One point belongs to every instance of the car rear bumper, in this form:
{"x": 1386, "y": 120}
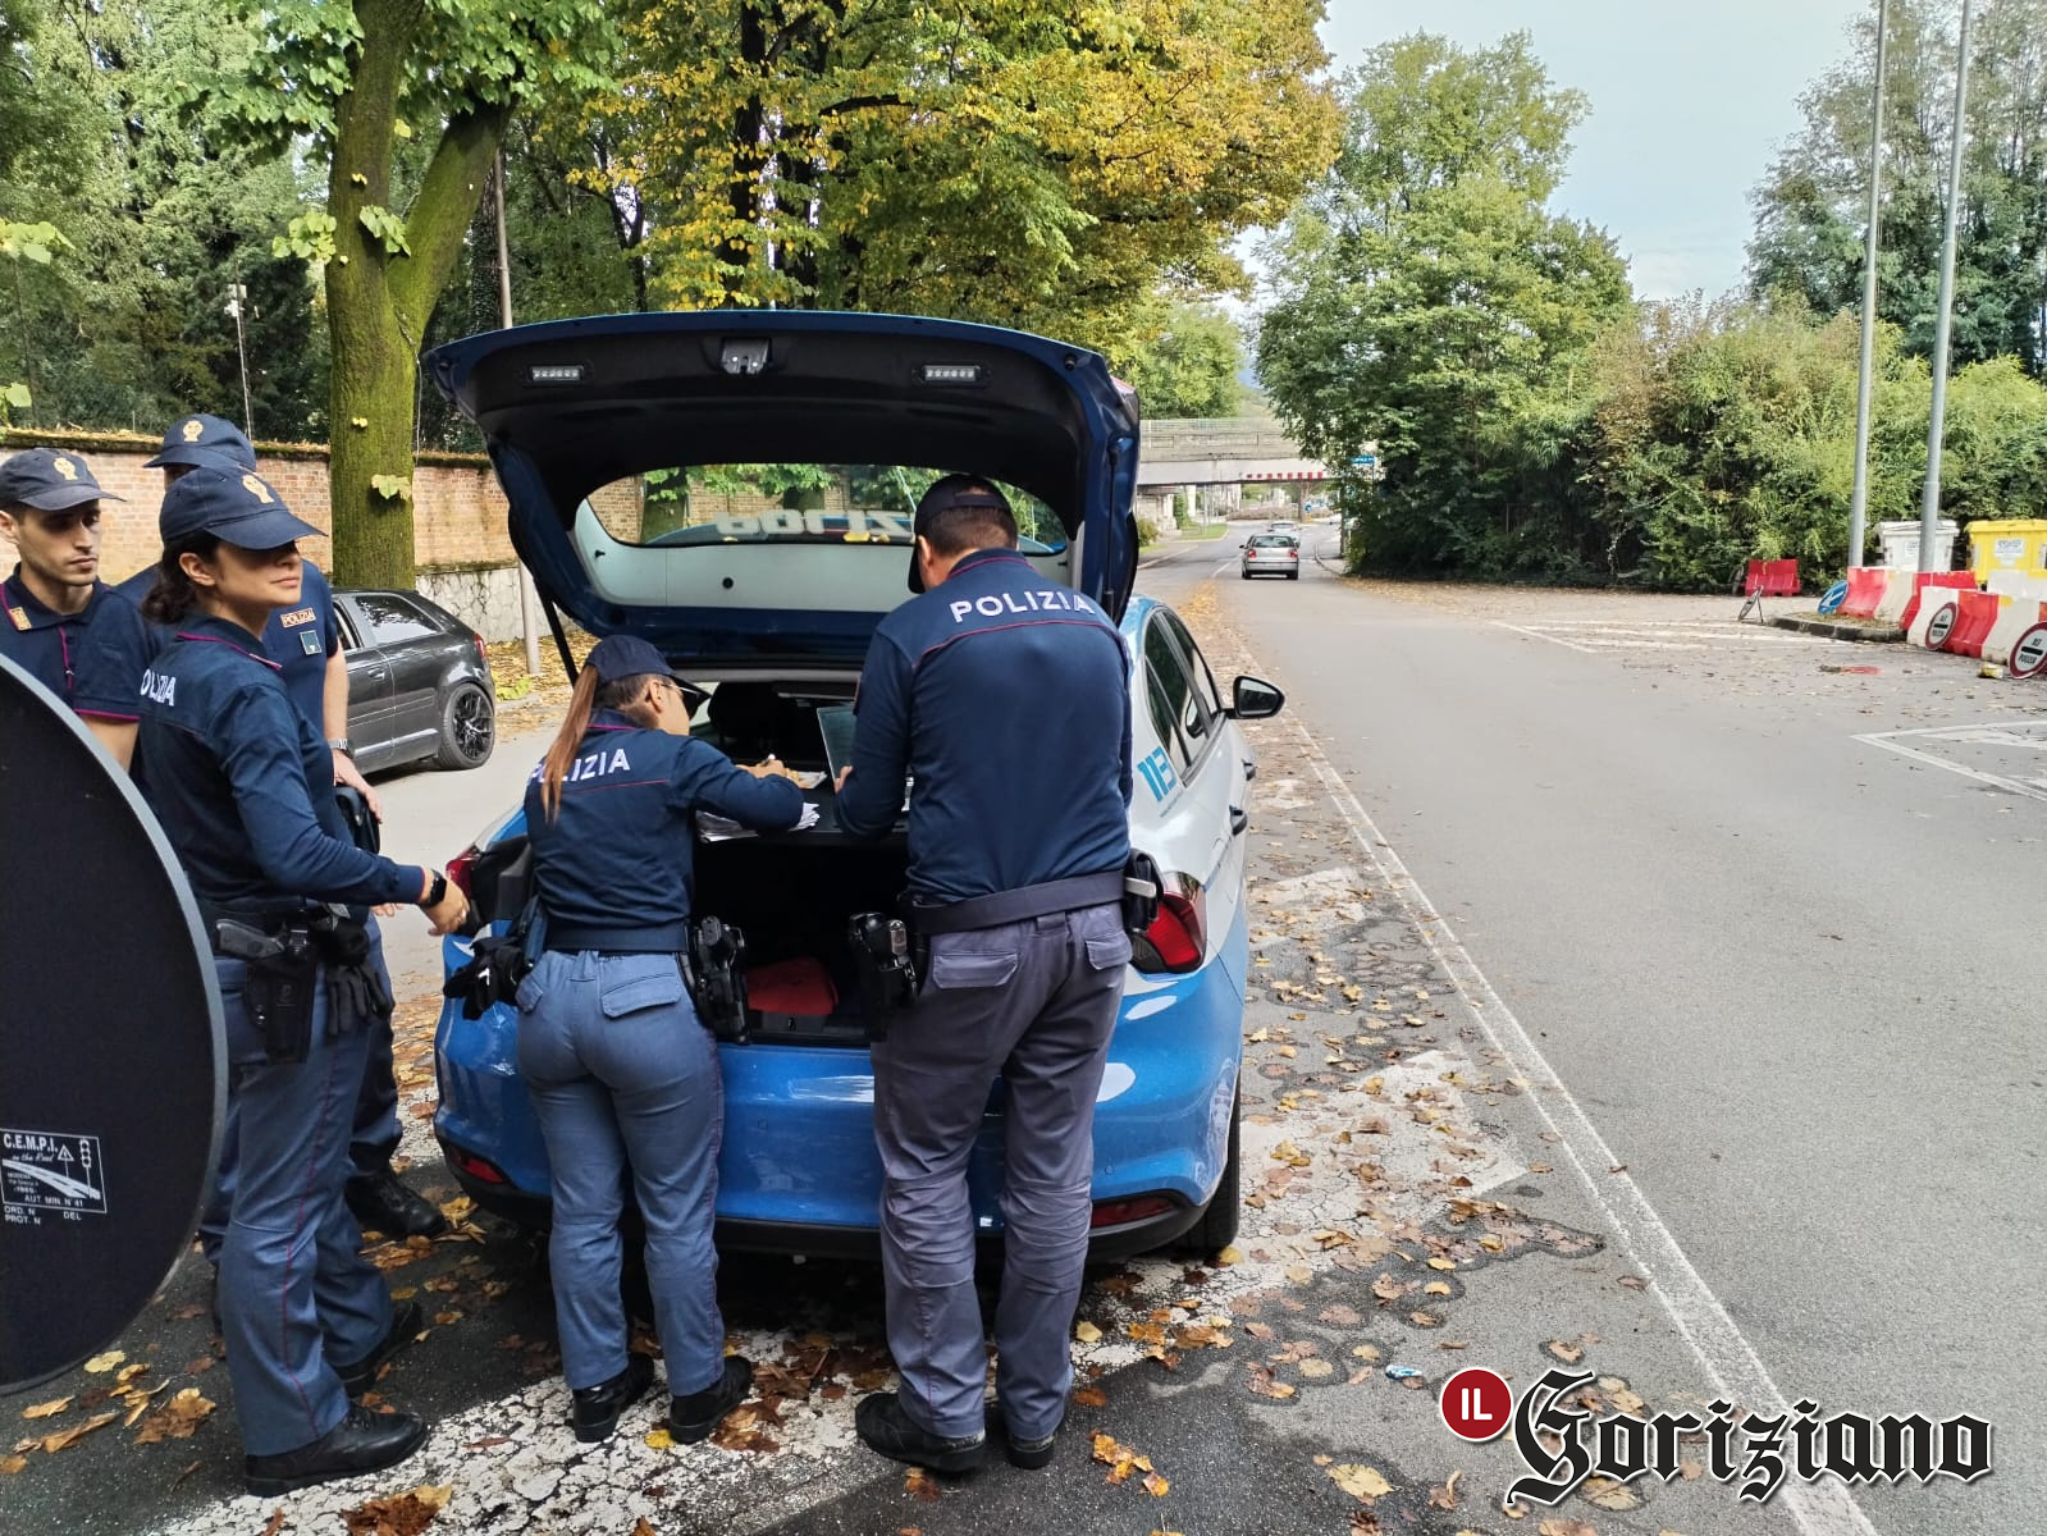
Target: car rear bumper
{"x": 798, "y": 1168}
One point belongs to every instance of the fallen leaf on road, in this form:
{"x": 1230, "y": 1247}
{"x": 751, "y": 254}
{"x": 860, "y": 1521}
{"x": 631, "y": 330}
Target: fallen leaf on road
{"x": 1316, "y": 1370}
{"x": 1633, "y": 1283}
{"x": 1087, "y": 1332}
{"x": 657, "y": 1440}
{"x": 1228, "y": 1257}
{"x": 1446, "y": 1497}
{"x": 1365, "y": 1351}
{"x": 52, "y": 1444}
{"x": 1570, "y": 1354}
{"x": 275, "y": 1523}
{"x": 178, "y": 1419}
{"x": 1442, "y": 1264}
{"x": 1156, "y": 1485}
{"x": 46, "y": 1410}
{"x": 190, "y": 1468}
{"x": 921, "y": 1485}
{"x": 1436, "y": 1288}
{"x": 645, "y": 1527}
{"x": 1606, "y": 1493}
{"x": 405, "y": 1514}
{"x": 1362, "y": 1483}
{"x": 1299, "y": 1274}
{"x": 1563, "y": 1527}
{"x": 100, "y": 1364}
{"x": 9, "y": 1465}
{"x": 1263, "y": 1385}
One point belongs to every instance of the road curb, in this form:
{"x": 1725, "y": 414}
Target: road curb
{"x": 1838, "y": 629}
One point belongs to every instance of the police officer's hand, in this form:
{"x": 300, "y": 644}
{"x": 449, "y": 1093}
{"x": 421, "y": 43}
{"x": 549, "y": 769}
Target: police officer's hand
{"x": 770, "y": 767}
{"x": 839, "y": 784}
{"x": 346, "y": 772}
{"x": 451, "y": 912}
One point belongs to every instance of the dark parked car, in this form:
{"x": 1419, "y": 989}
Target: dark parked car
{"x": 419, "y": 682}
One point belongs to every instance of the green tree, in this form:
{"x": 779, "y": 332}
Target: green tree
{"x": 1427, "y": 300}
{"x": 1811, "y": 208}
{"x": 1184, "y": 361}
{"x": 1039, "y": 163}
{"x": 355, "y": 77}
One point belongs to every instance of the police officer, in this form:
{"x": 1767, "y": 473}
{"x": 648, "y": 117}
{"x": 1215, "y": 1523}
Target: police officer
{"x": 61, "y": 623}
{"x": 1003, "y": 696}
{"x": 241, "y": 785}
{"x": 623, "y": 1075}
{"x": 305, "y": 641}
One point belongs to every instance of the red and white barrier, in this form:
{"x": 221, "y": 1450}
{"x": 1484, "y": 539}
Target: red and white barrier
{"x": 2028, "y": 586}
{"x": 1866, "y": 590}
{"x": 2014, "y": 620}
{"x": 1935, "y": 621}
{"x": 1959, "y": 580}
{"x": 1976, "y": 613}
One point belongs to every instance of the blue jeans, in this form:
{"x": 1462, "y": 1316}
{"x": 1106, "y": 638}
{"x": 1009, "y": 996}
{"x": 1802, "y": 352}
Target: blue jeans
{"x": 296, "y": 1295}
{"x": 626, "y": 1085}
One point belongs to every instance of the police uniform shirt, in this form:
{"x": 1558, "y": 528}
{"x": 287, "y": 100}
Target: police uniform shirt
{"x": 92, "y": 659}
{"x": 1005, "y": 697}
{"x": 299, "y": 638}
{"x": 232, "y": 769}
{"x": 618, "y": 854}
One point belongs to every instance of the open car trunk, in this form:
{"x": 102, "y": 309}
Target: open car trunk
{"x": 790, "y": 894}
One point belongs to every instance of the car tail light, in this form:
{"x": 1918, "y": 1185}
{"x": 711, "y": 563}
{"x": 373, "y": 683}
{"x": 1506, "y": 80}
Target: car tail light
{"x": 1294, "y": 554}
{"x": 1121, "y": 1213}
{"x": 1177, "y": 939}
{"x": 480, "y": 1169}
{"x": 483, "y": 652}
{"x": 461, "y": 868}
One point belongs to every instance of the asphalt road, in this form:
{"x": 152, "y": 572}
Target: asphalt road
{"x": 1623, "y": 995}
{"x": 1793, "y": 977}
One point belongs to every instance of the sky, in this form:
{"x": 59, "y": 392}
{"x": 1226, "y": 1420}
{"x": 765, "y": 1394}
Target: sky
{"x": 1689, "y": 104}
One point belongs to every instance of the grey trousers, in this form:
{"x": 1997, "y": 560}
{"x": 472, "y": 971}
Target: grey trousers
{"x": 1034, "y": 1003}
{"x": 625, "y": 1083}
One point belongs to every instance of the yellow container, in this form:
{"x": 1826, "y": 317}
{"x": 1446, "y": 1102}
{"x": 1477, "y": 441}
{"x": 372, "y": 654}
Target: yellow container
{"x": 2009, "y": 544}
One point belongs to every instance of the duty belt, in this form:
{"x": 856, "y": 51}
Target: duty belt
{"x": 656, "y": 939}
{"x": 1020, "y": 905}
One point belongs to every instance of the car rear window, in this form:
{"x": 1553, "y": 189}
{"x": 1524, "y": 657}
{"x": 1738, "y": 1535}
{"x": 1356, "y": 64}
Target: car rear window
{"x": 1271, "y": 541}
{"x": 792, "y": 503}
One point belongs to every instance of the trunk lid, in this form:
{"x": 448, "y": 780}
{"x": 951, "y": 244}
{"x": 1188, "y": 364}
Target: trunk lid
{"x": 735, "y": 485}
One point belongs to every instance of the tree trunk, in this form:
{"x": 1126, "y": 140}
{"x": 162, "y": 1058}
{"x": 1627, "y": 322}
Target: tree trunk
{"x": 379, "y": 301}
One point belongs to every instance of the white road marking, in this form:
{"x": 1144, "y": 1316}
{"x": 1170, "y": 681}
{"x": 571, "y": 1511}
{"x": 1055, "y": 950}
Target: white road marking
{"x": 1990, "y": 732}
{"x": 1729, "y": 1360}
{"x": 1584, "y": 650}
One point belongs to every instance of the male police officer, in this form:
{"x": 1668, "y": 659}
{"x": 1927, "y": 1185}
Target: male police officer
{"x": 1004, "y": 697}
{"x": 305, "y": 642}
{"x": 58, "y": 620}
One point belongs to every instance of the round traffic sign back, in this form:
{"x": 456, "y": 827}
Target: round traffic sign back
{"x": 2029, "y": 652}
{"x": 1941, "y": 626}
{"x": 1476, "y": 1404}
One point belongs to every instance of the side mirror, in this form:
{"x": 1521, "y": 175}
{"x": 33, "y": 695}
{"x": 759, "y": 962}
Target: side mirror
{"x": 1254, "y": 699}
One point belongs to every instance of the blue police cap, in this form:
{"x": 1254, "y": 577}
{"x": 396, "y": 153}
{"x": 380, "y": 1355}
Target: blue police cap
{"x": 205, "y": 440}
{"x": 239, "y": 507}
{"x": 49, "y": 481}
{"x": 622, "y": 656}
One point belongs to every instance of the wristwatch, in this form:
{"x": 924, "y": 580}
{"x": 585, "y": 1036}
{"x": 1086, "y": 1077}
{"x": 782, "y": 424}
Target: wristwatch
{"x": 344, "y": 746}
{"x": 437, "y": 892}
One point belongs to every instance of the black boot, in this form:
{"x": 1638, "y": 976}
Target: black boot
{"x": 383, "y": 1204}
{"x": 884, "y": 1427}
{"x": 1031, "y": 1455}
{"x": 692, "y": 1418}
{"x": 595, "y": 1411}
{"x": 362, "y": 1442}
{"x": 406, "y": 1323}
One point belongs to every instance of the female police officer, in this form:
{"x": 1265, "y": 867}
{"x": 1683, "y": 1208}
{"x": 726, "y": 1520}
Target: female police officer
{"x": 623, "y": 1075}
{"x": 232, "y": 773}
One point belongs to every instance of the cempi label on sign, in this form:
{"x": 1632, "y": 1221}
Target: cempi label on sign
{"x": 51, "y": 1171}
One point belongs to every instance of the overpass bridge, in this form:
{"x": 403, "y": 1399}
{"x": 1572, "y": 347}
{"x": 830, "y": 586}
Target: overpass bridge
{"x": 1229, "y": 450}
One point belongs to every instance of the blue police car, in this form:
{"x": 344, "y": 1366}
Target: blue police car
{"x": 736, "y": 487}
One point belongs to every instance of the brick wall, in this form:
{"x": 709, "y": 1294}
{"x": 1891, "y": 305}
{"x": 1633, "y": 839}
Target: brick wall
{"x": 458, "y": 510}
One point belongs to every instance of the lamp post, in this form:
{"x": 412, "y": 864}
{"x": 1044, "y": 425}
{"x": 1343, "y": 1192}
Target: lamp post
{"x": 1859, "y": 494}
{"x": 529, "y": 632}
{"x": 238, "y": 295}
{"x": 1930, "y": 493}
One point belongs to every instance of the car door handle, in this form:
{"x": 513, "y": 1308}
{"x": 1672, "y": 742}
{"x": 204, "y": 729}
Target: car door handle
{"x": 1251, "y": 768}
{"x": 1238, "y": 820}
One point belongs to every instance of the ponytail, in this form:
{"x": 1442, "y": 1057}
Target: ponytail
{"x": 174, "y": 595}
{"x": 590, "y": 696}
